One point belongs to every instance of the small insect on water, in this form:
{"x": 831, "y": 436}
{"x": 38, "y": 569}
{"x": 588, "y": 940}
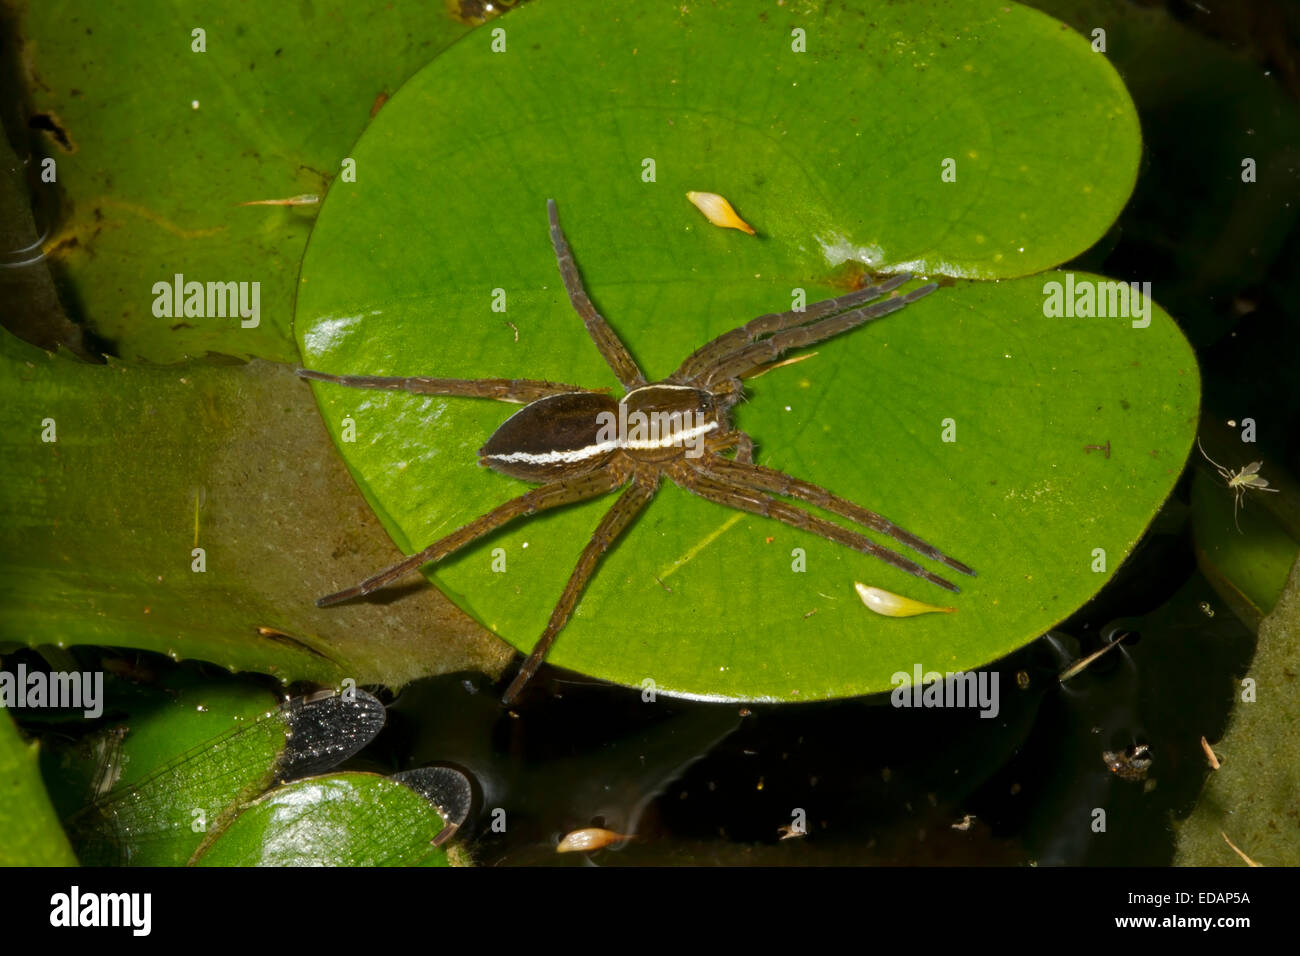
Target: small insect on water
{"x": 564, "y": 440}
{"x": 1245, "y": 478}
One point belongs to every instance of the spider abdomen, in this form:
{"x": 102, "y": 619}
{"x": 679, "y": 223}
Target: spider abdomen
{"x": 553, "y": 437}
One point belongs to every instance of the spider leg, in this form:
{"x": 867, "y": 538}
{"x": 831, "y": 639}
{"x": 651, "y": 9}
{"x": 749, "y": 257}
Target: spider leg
{"x": 518, "y": 390}
{"x": 699, "y": 482}
{"x": 610, "y": 346}
{"x": 738, "y": 440}
{"x": 744, "y": 449}
{"x": 539, "y": 499}
{"x": 760, "y": 478}
{"x": 769, "y": 349}
{"x": 712, "y": 351}
{"x": 611, "y": 526}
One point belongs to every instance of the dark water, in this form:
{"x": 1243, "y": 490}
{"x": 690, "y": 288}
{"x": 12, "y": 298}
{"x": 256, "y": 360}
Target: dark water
{"x": 704, "y": 783}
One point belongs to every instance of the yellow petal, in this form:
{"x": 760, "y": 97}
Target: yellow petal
{"x": 718, "y": 211}
{"x": 895, "y": 605}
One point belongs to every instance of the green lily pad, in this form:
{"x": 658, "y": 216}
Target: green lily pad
{"x": 151, "y": 174}
{"x": 348, "y": 819}
{"x": 400, "y": 274}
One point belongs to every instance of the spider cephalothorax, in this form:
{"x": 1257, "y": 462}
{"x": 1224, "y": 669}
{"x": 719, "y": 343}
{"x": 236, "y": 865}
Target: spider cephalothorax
{"x": 577, "y": 443}
{"x": 576, "y": 431}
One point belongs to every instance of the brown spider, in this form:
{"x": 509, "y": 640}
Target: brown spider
{"x": 575, "y": 442}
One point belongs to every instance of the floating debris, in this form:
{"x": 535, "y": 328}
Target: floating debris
{"x": 718, "y": 211}
{"x": 1210, "y": 755}
{"x": 588, "y": 839}
{"x": 888, "y": 604}
{"x": 1131, "y": 764}
{"x": 1236, "y": 850}
{"x": 1082, "y": 664}
{"x": 306, "y": 199}
{"x": 759, "y": 370}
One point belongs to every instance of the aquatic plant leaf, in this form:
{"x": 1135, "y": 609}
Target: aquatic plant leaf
{"x": 349, "y": 819}
{"x": 32, "y": 835}
{"x": 165, "y": 804}
{"x": 408, "y": 270}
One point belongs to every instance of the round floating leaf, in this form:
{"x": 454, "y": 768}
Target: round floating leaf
{"x": 831, "y": 154}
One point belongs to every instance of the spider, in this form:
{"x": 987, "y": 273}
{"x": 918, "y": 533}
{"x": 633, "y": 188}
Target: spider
{"x": 565, "y": 440}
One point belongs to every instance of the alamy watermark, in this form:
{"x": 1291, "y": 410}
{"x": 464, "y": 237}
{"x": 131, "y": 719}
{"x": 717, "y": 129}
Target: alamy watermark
{"x": 128, "y": 910}
{"x": 1104, "y": 298}
{"x": 645, "y": 431}
{"x": 61, "y": 690}
{"x": 974, "y": 689}
{"x": 210, "y": 300}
